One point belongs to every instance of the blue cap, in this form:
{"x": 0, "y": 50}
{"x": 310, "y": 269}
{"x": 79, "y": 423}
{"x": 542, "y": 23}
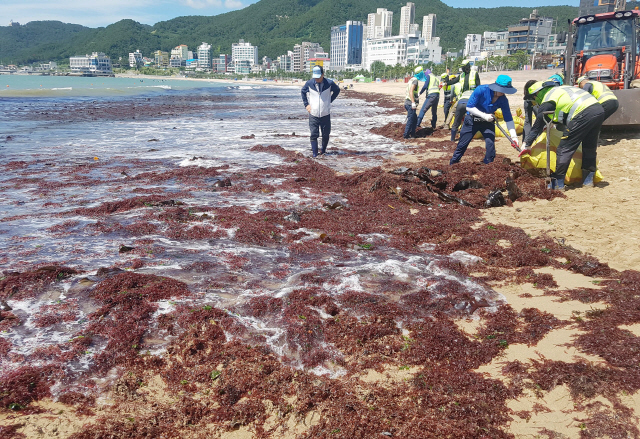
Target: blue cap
{"x": 503, "y": 85}
{"x": 317, "y": 72}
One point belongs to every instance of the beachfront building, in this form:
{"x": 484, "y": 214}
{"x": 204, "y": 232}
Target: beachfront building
{"x": 96, "y": 64}
{"x": 557, "y": 43}
{"x": 302, "y": 52}
{"x": 389, "y": 50}
{"x": 421, "y": 51}
{"x": 320, "y": 59}
{"x": 592, "y": 7}
{"x": 530, "y": 34}
{"x": 346, "y": 46}
{"x": 284, "y": 62}
{"x": 244, "y": 51}
{"x": 219, "y": 64}
{"x": 135, "y": 59}
{"x": 179, "y": 56}
{"x": 428, "y": 27}
{"x": 161, "y": 59}
{"x": 379, "y": 24}
{"x": 472, "y": 44}
{"x": 204, "y": 56}
{"x": 407, "y": 18}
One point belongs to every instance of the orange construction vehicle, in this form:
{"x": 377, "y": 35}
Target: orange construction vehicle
{"x": 605, "y": 47}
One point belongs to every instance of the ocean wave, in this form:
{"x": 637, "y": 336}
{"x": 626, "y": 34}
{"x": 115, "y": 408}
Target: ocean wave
{"x": 62, "y": 88}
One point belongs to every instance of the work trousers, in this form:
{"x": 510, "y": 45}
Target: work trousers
{"x": 461, "y": 110}
{"x": 317, "y": 124}
{"x": 609, "y": 107}
{"x": 528, "y": 112}
{"x": 582, "y": 129}
{"x": 447, "y": 105}
{"x": 412, "y": 117}
{"x": 430, "y": 102}
{"x": 470, "y": 127}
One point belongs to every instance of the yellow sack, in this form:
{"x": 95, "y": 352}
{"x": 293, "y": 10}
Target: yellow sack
{"x": 518, "y": 122}
{"x": 538, "y": 158}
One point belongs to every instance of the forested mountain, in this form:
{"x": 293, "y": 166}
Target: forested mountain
{"x": 273, "y": 25}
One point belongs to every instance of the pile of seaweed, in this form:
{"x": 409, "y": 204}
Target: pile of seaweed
{"x": 217, "y": 376}
{"x": 395, "y": 131}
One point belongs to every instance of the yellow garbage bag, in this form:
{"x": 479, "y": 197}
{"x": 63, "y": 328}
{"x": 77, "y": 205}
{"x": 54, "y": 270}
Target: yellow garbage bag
{"x": 517, "y": 120}
{"x": 538, "y": 158}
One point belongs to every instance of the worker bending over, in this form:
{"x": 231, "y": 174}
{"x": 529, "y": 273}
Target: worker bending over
{"x": 602, "y": 93}
{"x": 411, "y": 101}
{"x": 558, "y": 78}
{"x": 484, "y": 101}
{"x": 432, "y": 87}
{"x": 582, "y": 116}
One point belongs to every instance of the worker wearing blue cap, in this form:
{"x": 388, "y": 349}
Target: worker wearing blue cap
{"x": 484, "y": 101}
{"x": 317, "y": 95}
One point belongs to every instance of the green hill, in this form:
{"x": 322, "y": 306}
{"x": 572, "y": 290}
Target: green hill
{"x": 273, "y": 25}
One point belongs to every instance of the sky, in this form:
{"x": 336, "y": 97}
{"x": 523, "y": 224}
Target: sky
{"x": 97, "y": 13}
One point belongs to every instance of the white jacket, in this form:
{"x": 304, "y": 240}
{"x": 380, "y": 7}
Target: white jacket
{"x": 320, "y": 101}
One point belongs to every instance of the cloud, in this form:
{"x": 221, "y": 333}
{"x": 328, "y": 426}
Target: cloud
{"x": 233, "y": 4}
{"x": 202, "y": 4}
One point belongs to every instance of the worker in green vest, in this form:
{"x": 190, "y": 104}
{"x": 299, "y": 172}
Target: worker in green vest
{"x": 470, "y": 80}
{"x": 582, "y": 117}
{"x": 602, "y": 93}
{"x": 447, "y": 91}
{"x": 432, "y": 88}
{"x": 411, "y": 101}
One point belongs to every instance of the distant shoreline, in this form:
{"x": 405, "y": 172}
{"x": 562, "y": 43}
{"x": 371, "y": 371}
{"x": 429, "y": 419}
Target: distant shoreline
{"x": 225, "y": 81}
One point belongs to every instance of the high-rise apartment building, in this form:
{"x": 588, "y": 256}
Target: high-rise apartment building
{"x": 204, "y": 56}
{"x": 242, "y": 51}
{"x": 428, "y": 27}
{"x": 346, "y": 45}
{"x": 379, "y": 24}
{"x": 407, "y": 18}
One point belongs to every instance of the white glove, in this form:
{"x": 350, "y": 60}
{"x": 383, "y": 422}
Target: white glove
{"x": 477, "y": 113}
{"x": 487, "y": 117}
{"x": 514, "y": 136}
{"x": 414, "y": 105}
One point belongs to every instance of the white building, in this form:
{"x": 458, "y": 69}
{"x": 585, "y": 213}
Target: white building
{"x": 204, "y": 56}
{"x": 472, "y": 45}
{"x": 179, "y": 55}
{"x": 429, "y": 27}
{"x": 407, "y": 18}
{"x": 346, "y": 45}
{"x": 242, "y": 51}
{"x": 135, "y": 59}
{"x": 96, "y": 64}
{"x": 389, "y": 50}
{"x": 284, "y": 62}
{"x": 422, "y": 51}
{"x": 379, "y": 24}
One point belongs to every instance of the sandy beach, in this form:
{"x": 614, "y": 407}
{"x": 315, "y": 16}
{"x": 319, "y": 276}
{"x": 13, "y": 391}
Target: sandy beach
{"x": 340, "y": 297}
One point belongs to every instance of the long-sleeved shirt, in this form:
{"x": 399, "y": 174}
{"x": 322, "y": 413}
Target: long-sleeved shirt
{"x": 319, "y": 95}
{"x": 482, "y": 98}
{"x": 539, "y": 124}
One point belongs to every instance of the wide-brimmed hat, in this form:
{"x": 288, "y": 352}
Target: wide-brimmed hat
{"x": 503, "y": 85}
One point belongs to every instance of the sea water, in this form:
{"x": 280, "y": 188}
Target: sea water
{"x": 48, "y": 129}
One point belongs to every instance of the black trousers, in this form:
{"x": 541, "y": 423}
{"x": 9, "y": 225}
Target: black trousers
{"x": 609, "y": 107}
{"x": 430, "y": 102}
{"x": 582, "y": 129}
{"x": 317, "y": 124}
{"x": 461, "y": 111}
{"x": 528, "y": 113}
{"x": 447, "y": 105}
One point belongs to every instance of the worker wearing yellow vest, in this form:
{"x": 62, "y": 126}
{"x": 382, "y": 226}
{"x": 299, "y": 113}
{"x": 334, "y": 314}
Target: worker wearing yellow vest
{"x": 602, "y": 93}
{"x": 460, "y": 99}
{"x": 447, "y": 91}
{"x": 558, "y": 78}
{"x": 432, "y": 88}
{"x": 582, "y": 116}
{"x": 470, "y": 80}
{"x": 411, "y": 101}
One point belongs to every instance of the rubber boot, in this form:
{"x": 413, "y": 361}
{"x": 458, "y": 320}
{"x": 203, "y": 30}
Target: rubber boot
{"x": 556, "y": 184}
{"x": 588, "y": 177}
{"x": 324, "y": 146}
{"x": 314, "y": 148}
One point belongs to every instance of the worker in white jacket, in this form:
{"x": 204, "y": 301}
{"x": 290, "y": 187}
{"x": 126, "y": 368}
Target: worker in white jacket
{"x": 317, "y": 95}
